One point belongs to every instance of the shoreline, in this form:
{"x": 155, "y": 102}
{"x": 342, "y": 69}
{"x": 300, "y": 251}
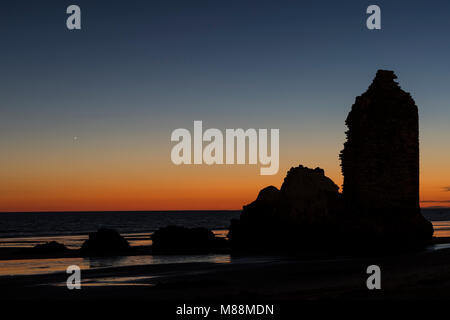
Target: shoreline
{"x": 14, "y": 253}
{"x": 420, "y": 275}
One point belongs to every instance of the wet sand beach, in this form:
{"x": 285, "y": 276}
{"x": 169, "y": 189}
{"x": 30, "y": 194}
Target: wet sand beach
{"x": 417, "y": 276}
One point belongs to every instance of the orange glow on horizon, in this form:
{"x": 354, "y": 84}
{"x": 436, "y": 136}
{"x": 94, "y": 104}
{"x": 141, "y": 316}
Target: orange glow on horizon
{"x": 127, "y": 181}
{"x": 193, "y": 188}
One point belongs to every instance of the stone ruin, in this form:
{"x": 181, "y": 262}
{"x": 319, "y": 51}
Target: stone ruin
{"x": 380, "y": 159}
{"x": 379, "y": 205}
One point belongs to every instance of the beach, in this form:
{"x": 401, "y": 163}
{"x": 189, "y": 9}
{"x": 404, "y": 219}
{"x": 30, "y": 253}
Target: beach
{"x": 417, "y": 276}
{"x": 216, "y": 277}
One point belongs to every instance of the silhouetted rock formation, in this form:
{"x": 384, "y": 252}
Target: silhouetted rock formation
{"x": 380, "y": 161}
{"x": 380, "y": 202}
{"x": 181, "y": 240}
{"x": 48, "y": 248}
{"x": 290, "y": 218}
{"x": 309, "y": 196}
{"x": 105, "y": 242}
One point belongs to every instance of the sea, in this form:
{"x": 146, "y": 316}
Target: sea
{"x": 32, "y": 224}
{"x": 25, "y": 229}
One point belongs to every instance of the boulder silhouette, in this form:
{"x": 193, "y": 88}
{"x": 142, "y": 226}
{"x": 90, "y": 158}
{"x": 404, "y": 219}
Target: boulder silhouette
{"x": 105, "y": 242}
{"x": 48, "y": 248}
{"x": 286, "y": 220}
{"x": 308, "y": 195}
{"x": 181, "y": 240}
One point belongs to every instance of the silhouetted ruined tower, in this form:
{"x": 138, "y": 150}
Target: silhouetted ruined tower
{"x": 380, "y": 159}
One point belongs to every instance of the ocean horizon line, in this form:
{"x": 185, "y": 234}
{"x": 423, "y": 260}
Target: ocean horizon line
{"x": 124, "y": 211}
{"x": 159, "y": 211}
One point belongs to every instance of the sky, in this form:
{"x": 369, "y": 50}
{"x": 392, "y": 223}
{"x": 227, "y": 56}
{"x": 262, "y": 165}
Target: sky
{"x": 86, "y": 115}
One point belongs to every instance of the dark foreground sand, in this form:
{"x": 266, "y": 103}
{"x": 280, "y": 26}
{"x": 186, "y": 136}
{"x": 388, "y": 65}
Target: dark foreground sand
{"x": 408, "y": 276}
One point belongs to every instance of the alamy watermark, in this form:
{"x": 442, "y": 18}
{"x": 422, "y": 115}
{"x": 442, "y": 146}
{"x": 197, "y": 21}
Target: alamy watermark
{"x": 374, "y": 280}
{"x": 373, "y": 22}
{"x": 74, "y": 280}
{"x": 237, "y": 142}
{"x": 73, "y": 21}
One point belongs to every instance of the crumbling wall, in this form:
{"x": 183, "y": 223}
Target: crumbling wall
{"x": 380, "y": 159}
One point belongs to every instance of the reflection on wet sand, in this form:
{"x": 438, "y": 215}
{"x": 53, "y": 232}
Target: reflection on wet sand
{"x": 44, "y": 266}
{"x": 441, "y": 228}
{"x": 115, "y": 281}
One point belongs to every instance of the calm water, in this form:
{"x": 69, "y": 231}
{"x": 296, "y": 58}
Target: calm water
{"x": 76, "y": 223}
{"x": 71, "y": 228}
{"x": 20, "y": 230}
{"x": 28, "y": 229}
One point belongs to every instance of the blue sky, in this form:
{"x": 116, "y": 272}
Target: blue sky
{"x": 139, "y": 69}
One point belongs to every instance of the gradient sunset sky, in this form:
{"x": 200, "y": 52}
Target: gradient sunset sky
{"x": 140, "y": 69}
